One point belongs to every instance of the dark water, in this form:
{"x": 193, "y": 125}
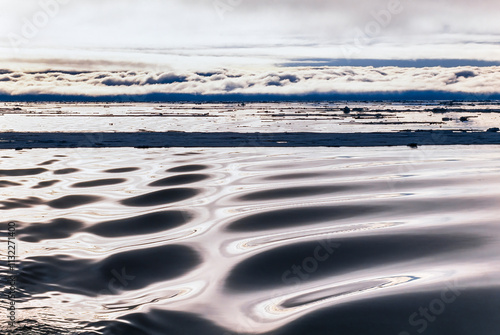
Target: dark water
{"x": 270, "y": 241}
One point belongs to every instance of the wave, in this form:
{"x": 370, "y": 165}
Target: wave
{"x": 255, "y": 240}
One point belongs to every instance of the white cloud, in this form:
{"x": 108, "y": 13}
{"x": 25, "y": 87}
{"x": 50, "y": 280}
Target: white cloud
{"x": 286, "y": 81}
{"x": 165, "y": 44}
{"x": 194, "y": 25}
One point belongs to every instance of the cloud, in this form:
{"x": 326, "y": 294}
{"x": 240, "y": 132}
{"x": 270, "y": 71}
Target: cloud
{"x": 187, "y": 24}
{"x": 207, "y": 74}
{"x": 118, "y": 82}
{"x": 166, "y": 78}
{"x": 465, "y": 74}
{"x": 290, "y": 77}
{"x": 455, "y": 78}
{"x": 317, "y": 80}
{"x": 231, "y": 86}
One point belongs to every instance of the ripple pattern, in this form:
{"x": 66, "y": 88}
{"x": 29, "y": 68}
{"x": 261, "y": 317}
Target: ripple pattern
{"x": 294, "y": 241}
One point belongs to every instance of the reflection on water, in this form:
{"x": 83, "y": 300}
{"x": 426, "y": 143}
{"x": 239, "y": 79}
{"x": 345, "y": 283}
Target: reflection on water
{"x": 255, "y": 240}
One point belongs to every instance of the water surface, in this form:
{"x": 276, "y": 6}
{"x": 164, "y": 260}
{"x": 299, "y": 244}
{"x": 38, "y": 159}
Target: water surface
{"x": 255, "y": 240}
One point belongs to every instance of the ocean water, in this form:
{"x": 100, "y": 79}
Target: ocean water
{"x": 305, "y": 241}
{"x": 327, "y": 117}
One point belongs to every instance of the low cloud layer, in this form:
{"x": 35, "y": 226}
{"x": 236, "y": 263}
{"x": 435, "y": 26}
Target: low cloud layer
{"x": 282, "y": 81}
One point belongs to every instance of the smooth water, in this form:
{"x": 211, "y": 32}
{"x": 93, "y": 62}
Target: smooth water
{"x": 347, "y": 241}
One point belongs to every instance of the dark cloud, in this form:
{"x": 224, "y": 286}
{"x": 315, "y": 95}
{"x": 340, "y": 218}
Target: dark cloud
{"x": 118, "y": 82}
{"x": 274, "y": 83}
{"x": 207, "y": 74}
{"x": 218, "y": 77}
{"x": 166, "y": 78}
{"x": 461, "y": 74}
{"x": 140, "y": 79}
{"x": 290, "y": 77}
{"x": 281, "y": 79}
{"x": 465, "y": 74}
{"x": 231, "y": 86}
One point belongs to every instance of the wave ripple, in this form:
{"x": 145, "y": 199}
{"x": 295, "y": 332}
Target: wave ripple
{"x": 255, "y": 240}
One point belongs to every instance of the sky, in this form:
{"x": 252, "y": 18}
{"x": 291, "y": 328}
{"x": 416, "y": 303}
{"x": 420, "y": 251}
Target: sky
{"x": 251, "y": 47}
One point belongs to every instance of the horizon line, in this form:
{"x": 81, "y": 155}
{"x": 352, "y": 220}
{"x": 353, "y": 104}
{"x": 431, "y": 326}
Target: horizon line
{"x": 259, "y": 97}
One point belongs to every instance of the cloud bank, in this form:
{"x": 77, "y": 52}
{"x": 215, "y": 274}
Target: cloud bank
{"x": 283, "y": 81}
